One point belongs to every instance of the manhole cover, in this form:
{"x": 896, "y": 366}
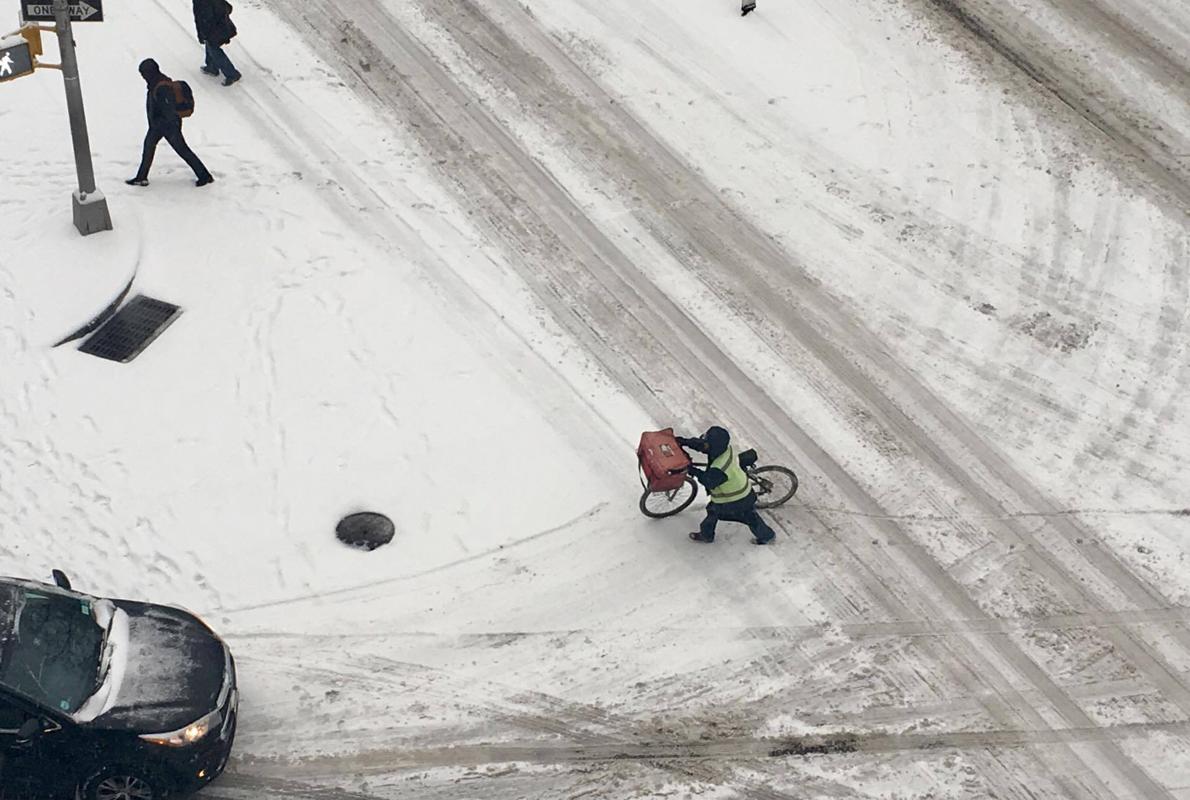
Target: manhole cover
{"x": 132, "y": 329}
{"x": 367, "y": 530}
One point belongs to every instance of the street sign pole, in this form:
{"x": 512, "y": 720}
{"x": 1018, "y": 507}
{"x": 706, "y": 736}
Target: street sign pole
{"x": 90, "y": 206}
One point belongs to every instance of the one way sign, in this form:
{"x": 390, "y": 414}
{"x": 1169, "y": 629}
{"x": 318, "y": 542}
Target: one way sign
{"x": 80, "y": 10}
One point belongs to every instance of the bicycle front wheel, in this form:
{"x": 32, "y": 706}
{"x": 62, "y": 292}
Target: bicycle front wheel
{"x": 773, "y": 485}
{"x": 666, "y": 504}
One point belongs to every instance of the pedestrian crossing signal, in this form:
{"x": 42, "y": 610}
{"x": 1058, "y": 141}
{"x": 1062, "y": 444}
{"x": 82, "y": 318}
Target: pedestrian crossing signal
{"x": 16, "y": 60}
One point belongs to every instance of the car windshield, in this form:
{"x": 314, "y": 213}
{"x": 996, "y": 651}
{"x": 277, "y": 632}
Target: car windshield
{"x": 49, "y": 646}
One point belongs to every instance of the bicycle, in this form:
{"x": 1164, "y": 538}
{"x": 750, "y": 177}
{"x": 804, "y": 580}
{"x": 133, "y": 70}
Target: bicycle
{"x": 774, "y": 486}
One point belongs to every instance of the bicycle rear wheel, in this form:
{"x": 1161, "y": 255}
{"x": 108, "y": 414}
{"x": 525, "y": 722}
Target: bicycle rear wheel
{"x": 665, "y": 504}
{"x": 773, "y": 485}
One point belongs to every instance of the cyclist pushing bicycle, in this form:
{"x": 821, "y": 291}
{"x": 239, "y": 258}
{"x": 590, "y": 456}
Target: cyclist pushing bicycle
{"x": 732, "y": 496}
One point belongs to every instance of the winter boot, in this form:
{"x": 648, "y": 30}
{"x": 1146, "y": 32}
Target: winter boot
{"x": 137, "y": 181}
{"x": 747, "y": 9}
{"x": 697, "y": 536}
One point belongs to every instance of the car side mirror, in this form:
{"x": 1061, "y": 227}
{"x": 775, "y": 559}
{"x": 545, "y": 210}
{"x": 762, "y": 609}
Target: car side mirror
{"x": 61, "y": 579}
{"x": 31, "y": 727}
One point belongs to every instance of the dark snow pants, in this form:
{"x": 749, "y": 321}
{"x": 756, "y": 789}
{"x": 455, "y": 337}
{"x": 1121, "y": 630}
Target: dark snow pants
{"x": 173, "y": 135}
{"x": 742, "y": 511}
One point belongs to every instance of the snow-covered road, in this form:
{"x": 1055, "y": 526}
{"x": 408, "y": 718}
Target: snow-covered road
{"x": 931, "y": 254}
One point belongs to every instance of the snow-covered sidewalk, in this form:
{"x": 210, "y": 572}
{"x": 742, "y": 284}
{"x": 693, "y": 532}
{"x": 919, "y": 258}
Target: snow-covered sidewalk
{"x": 330, "y": 357}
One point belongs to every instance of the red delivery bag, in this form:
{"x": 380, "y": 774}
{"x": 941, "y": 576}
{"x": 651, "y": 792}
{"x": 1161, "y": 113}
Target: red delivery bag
{"x": 663, "y": 462}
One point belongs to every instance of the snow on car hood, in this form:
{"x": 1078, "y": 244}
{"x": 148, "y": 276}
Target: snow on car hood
{"x": 173, "y": 671}
{"x": 115, "y": 622}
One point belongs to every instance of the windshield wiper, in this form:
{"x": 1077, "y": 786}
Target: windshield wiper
{"x": 105, "y": 656}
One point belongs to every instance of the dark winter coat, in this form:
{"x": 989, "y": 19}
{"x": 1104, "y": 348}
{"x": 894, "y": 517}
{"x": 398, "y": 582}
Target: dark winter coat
{"x": 212, "y": 21}
{"x": 161, "y": 105}
{"x": 713, "y": 443}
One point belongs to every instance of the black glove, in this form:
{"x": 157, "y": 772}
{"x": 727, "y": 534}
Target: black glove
{"x": 695, "y": 471}
{"x": 684, "y": 442}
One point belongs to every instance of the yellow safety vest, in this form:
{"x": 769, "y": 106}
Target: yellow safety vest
{"x": 737, "y": 486}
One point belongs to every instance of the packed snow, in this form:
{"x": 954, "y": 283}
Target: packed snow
{"x": 115, "y": 661}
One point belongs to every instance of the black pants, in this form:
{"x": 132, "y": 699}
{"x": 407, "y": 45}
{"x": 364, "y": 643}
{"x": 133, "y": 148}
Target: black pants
{"x": 742, "y": 511}
{"x": 173, "y": 135}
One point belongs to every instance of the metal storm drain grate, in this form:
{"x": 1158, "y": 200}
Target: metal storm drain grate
{"x": 132, "y": 329}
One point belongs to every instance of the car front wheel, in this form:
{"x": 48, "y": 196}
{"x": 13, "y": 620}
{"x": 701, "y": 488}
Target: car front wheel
{"x": 121, "y": 784}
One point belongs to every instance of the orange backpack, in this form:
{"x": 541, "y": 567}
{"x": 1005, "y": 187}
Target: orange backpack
{"x": 183, "y": 98}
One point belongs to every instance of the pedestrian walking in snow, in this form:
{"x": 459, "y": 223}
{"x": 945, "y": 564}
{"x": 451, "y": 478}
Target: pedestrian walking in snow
{"x": 732, "y": 497}
{"x": 166, "y": 101}
{"x": 212, "y": 20}
{"x": 747, "y": 7}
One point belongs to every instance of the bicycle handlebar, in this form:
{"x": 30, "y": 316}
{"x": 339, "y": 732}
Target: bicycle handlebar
{"x": 749, "y": 468}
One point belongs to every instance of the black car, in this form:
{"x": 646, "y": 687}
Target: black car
{"x": 108, "y": 699}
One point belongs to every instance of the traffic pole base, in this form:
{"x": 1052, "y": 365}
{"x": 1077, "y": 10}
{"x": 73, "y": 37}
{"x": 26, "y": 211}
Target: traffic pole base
{"x": 91, "y": 214}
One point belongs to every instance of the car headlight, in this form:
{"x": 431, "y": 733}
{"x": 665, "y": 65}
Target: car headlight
{"x": 183, "y": 737}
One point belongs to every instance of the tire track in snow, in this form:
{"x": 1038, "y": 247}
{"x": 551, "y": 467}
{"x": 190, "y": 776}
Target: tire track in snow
{"x": 661, "y": 706}
{"x": 364, "y": 62}
{"x": 1111, "y": 116}
{"x": 634, "y": 738}
{"x": 963, "y": 440}
{"x": 509, "y": 784}
{"x": 722, "y": 236}
{"x": 465, "y": 123}
{"x": 535, "y": 712}
{"x": 854, "y": 630}
{"x": 1165, "y": 368}
{"x": 235, "y": 786}
{"x": 620, "y": 738}
{"x": 1076, "y": 538}
{"x": 387, "y": 761}
{"x": 691, "y": 205}
{"x": 967, "y": 440}
{"x": 1070, "y": 512}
